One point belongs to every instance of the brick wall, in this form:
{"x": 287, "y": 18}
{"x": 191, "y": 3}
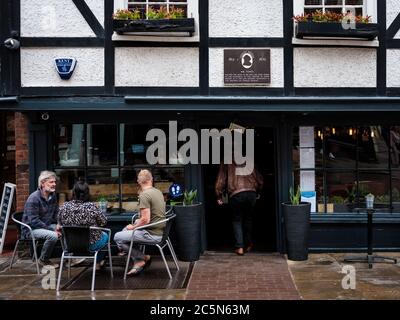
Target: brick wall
{"x": 21, "y": 159}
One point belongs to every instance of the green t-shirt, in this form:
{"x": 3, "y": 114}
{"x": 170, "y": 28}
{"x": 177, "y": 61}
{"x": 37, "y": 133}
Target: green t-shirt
{"x": 153, "y": 199}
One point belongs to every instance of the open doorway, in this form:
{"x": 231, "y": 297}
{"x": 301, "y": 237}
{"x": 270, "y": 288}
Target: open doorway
{"x": 218, "y": 218}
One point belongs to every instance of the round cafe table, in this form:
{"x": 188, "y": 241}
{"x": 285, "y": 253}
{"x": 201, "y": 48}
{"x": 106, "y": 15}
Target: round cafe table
{"x": 370, "y": 257}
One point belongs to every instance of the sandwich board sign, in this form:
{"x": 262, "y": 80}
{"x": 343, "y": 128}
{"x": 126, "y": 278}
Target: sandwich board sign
{"x": 5, "y": 208}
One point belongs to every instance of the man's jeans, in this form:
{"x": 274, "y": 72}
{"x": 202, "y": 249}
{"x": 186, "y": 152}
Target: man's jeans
{"x": 123, "y": 239}
{"x": 242, "y": 205}
{"x": 50, "y": 238}
{"x": 99, "y": 244}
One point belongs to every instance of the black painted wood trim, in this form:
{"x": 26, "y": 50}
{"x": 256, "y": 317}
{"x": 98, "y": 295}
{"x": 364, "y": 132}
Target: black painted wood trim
{"x": 204, "y": 48}
{"x": 10, "y": 70}
{"x": 393, "y": 92}
{"x": 393, "y": 44}
{"x": 61, "y": 91}
{"x": 246, "y": 42}
{"x": 121, "y": 43}
{"x": 288, "y": 50}
{"x": 62, "y": 42}
{"x": 335, "y": 92}
{"x": 247, "y": 91}
{"x": 381, "y": 53}
{"x": 109, "y": 51}
{"x": 157, "y": 91}
{"x": 90, "y": 17}
{"x": 394, "y": 27}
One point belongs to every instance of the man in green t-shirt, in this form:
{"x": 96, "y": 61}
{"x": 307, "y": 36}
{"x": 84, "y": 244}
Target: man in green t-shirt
{"x": 152, "y": 209}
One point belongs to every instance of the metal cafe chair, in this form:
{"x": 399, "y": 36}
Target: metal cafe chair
{"x": 17, "y": 218}
{"x": 164, "y": 242}
{"x": 76, "y": 241}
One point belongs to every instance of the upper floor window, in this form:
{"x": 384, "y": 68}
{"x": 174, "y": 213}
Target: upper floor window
{"x": 147, "y": 8}
{"x": 335, "y": 6}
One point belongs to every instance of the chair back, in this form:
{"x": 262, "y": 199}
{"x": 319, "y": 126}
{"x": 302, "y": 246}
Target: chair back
{"x": 76, "y": 240}
{"x": 169, "y": 215}
{"x": 17, "y": 218}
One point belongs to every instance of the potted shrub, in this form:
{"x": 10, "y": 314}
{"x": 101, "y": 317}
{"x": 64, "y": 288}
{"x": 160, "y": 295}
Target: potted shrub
{"x": 329, "y": 24}
{"x": 339, "y": 204}
{"x": 161, "y": 20}
{"x": 188, "y": 226}
{"x": 297, "y": 225}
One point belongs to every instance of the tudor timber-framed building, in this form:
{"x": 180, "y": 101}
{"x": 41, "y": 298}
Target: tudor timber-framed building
{"x": 328, "y": 119}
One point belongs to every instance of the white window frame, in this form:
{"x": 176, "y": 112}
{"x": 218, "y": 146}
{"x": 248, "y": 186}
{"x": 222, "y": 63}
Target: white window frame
{"x": 370, "y": 9}
{"x": 192, "y": 12}
{"x": 324, "y": 7}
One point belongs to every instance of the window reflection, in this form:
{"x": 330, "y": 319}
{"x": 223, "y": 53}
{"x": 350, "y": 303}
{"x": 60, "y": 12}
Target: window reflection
{"x": 101, "y": 144}
{"x": 69, "y": 146}
{"x": 67, "y": 179}
{"x": 104, "y": 186}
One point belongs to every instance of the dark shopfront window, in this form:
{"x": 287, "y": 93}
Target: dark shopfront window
{"x": 344, "y": 164}
{"x": 108, "y": 156}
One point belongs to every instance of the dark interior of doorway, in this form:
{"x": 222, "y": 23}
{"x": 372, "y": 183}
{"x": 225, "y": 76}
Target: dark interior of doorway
{"x": 218, "y": 219}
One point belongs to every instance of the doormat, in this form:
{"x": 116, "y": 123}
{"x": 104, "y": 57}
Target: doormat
{"x": 154, "y": 277}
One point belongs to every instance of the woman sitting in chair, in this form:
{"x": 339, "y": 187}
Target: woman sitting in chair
{"x": 80, "y": 212}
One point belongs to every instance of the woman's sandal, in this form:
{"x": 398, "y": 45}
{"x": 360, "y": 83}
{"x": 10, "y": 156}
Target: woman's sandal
{"x": 239, "y": 251}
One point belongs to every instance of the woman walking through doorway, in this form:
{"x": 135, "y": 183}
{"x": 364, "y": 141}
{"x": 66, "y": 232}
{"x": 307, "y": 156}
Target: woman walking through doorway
{"x": 242, "y": 191}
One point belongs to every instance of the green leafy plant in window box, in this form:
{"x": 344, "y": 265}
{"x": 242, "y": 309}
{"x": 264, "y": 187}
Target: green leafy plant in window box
{"x": 157, "y": 21}
{"x": 329, "y": 24}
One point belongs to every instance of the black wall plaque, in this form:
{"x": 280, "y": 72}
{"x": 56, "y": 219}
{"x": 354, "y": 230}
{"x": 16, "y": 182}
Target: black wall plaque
{"x": 6, "y": 203}
{"x": 247, "y": 67}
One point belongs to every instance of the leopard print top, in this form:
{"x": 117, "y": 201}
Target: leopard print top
{"x": 78, "y": 213}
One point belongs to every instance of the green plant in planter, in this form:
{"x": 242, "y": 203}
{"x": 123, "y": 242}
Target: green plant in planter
{"x": 295, "y": 197}
{"x": 125, "y": 14}
{"x": 337, "y": 200}
{"x": 189, "y": 197}
{"x": 102, "y": 199}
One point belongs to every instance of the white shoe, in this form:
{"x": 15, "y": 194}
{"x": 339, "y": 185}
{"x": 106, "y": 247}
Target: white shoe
{"x": 75, "y": 262}
{"x": 331, "y": 156}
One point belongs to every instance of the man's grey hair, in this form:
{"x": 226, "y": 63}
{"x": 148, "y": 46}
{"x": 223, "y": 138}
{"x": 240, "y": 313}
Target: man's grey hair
{"x": 45, "y": 175}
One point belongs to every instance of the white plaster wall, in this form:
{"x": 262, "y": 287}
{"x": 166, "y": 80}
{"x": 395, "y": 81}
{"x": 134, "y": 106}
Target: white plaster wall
{"x": 334, "y": 67}
{"x": 250, "y": 18}
{"x": 157, "y": 67}
{"x": 216, "y": 64}
{"x": 392, "y": 10}
{"x": 56, "y": 18}
{"x": 97, "y": 7}
{"x": 393, "y": 70}
{"x": 38, "y": 69}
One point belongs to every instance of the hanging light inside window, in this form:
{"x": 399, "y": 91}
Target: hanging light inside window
{"x": 333, "y": 130}
{"x": 372, "y": 134}
{"x": 350, "y": 131}
{"x": 319, "y": 133}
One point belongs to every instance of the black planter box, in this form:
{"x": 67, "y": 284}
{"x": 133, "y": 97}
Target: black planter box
{"x": 160, "y": 25}
{"x": 297, "y": 227}
{"x": 188, "y": 231}
{"x": 368, "y": 31}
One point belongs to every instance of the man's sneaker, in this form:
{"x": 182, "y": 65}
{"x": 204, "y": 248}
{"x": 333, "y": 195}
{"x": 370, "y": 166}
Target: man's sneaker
{"x": 47, "y": 262}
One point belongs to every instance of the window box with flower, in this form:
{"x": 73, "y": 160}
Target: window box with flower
{"x": 334, "y": 25}
{"x": 157, "y": 21}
